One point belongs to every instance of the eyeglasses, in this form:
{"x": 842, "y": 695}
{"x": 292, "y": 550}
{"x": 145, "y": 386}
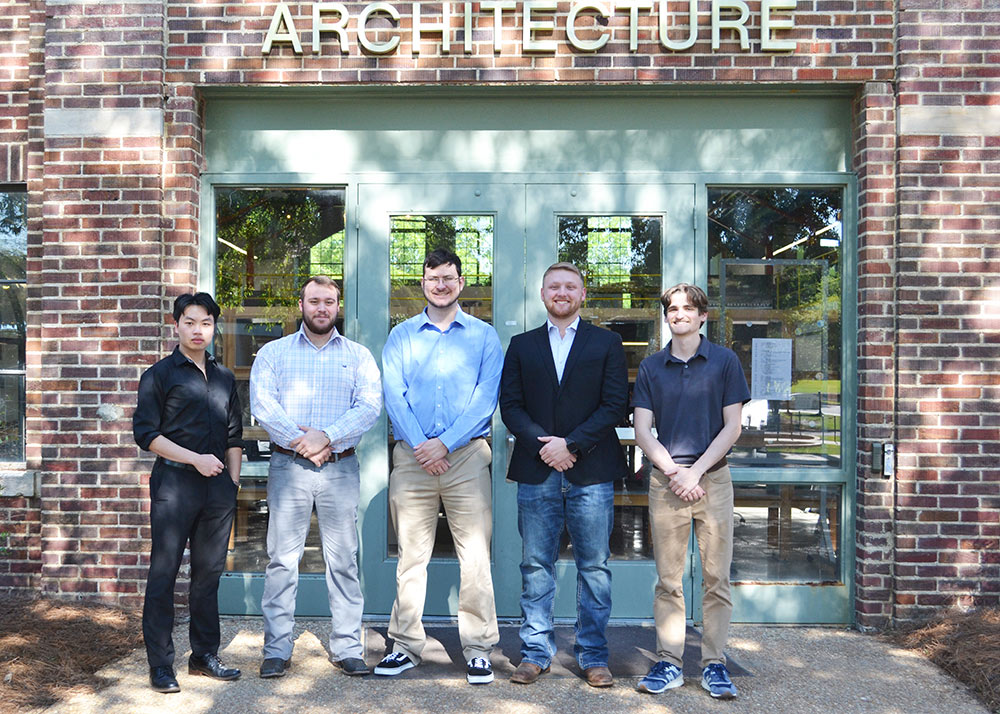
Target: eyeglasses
{"x": 447, "y": 280}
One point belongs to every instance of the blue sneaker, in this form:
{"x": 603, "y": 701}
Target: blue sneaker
{"x": 715, "y": 678}
{"x": 661, "y": 677}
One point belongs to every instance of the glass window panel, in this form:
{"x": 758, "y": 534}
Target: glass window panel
{"x": 13, "y": 323}
{"x": 620, "y": 257}
{"x": 269, "y": 241}
{"x": 12, "y": 326}
{"x": 775, "y": 299}
{"x": 13, "y": 235}
{"x": 411, "y": 237}
{"x": 786, "y": 533}
{"x": 11, "y": 417}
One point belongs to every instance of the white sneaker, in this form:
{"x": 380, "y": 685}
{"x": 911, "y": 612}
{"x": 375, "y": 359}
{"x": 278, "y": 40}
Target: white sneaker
{"x": 393, "y": 664}
{"x": 480, "y": 671}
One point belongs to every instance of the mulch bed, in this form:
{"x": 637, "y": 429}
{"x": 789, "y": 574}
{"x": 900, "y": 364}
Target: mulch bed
{"x": 50, "y": 648}
{"x": 965, "y": 645}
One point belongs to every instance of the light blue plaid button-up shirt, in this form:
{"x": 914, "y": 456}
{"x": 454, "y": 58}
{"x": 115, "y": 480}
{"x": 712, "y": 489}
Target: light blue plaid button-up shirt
{"x": 441, "y": 384}
{"x": 334, "y": 388}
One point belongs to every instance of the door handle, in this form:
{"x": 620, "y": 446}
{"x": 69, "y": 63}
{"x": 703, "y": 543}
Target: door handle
{"x": 511, "y": 439}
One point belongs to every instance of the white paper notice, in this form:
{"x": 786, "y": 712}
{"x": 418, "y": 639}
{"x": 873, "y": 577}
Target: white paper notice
{"x": 771, "y": 368}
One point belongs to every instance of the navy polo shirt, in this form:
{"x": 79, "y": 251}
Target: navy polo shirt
{"x": 687, "y": 398}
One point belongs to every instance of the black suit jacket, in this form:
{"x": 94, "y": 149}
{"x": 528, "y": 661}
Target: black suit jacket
{"x": 584, "y": 408}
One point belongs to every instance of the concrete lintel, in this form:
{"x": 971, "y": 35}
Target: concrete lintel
{"x": 19, "y": 483}
{"x": 949, "y": 120}
{"x": 104, "y": 122}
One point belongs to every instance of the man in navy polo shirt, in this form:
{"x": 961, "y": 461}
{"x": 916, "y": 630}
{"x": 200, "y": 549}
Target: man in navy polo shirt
{"x": 695, "y": 391}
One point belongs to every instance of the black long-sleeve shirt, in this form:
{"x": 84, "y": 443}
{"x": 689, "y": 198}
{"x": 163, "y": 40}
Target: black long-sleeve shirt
{"x": 201, "y": 413}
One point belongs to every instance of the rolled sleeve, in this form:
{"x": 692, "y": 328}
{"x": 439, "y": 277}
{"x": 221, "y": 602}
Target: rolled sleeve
{"x": 148, "y": 411}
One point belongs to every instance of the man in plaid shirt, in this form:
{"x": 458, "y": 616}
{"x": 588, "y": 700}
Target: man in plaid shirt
{"x": 316, "y": 393}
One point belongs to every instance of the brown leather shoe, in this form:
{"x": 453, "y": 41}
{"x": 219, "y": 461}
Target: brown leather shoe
{"x": 599, "y": 677}
{"x": 526, "y": 673}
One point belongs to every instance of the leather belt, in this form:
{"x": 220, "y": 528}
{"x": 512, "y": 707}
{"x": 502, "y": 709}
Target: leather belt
{"x": 718, "y": 465}
{"x": 334, "y": 458}
{"x": 178, "y": 465}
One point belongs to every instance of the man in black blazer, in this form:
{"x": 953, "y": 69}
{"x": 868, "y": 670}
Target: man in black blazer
{"x": 563, "y": 390}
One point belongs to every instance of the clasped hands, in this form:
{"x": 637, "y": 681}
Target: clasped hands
{"x": 555, "y": 454}
{"x": 313, "y": 445}
{"x": 684, "y": 482}
{"x": 431, "y": 456}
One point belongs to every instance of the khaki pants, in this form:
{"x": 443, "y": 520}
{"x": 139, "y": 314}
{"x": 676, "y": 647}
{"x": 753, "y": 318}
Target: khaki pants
{"x": 671, "y": 518}
{"x": 465, "y": 491}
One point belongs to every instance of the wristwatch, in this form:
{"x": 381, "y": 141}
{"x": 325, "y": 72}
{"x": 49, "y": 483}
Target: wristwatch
{"x": 571, "y": 447}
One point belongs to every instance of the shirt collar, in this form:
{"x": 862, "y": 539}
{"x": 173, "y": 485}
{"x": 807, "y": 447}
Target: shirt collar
{"x": 703, "y": 347}
{"x": 574, "y": 326}
{"x": 303, "y": 337}
{"x": 461, "y": 318}
{"x": 180, "y": 358}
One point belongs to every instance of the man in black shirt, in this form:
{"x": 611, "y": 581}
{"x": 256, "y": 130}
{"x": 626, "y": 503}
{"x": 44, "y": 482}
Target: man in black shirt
{"x": 189, "y": 415}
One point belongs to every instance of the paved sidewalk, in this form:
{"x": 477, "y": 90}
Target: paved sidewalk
{"x": 788, "y": 669}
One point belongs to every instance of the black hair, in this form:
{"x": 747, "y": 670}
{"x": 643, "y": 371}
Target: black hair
{"x": 183, "y": 302}
{"x": 442, "y": 256}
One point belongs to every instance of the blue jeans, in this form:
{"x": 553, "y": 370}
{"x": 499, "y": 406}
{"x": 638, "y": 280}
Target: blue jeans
{"x": 588, "y": 513}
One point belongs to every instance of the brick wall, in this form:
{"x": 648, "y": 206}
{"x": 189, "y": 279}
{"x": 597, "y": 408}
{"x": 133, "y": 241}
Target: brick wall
{"x": 119, "y": 238}
{"x": 948, "y": 280}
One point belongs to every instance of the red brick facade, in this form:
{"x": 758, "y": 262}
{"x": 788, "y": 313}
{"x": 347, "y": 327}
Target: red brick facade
{"x": 113, "y": 235}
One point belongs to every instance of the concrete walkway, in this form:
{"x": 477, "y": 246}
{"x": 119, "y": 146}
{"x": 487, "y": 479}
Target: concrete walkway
{"x": 787, "y": 669}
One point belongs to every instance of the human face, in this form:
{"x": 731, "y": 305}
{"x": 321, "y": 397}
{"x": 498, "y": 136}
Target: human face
{"x": 319, "y": 307}
{"x": 563, "y": 294}
{"x": 195, "y": 329}
{"x": 442, "y": 286}
{"x": 682, "y": 317}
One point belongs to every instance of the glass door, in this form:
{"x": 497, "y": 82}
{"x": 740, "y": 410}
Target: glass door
{"x": 399, "y": 223}
{"x": 630, "y": 240}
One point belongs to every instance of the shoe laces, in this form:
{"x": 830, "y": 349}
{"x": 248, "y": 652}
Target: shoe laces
{"x": 660, "y": 669}
{"x": 716, "y": 674}
{"x": 479, "y": 663}
{"x": 396, "y": 657}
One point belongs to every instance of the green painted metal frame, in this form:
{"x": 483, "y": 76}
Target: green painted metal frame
{"x": 240, "y": 593}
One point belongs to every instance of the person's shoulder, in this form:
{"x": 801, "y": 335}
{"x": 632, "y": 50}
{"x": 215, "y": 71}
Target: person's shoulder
{"x": 225, "y": 371}
{"x": 355, "y": 348}
{"x": 161, "y": 366}
{"x": 720, "y": 353}
{"x": 600, "y": 332}
{"x": 655, "y": 360}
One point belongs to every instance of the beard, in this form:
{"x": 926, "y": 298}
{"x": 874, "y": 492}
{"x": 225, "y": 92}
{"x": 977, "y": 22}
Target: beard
{"x": 316, "y": 329}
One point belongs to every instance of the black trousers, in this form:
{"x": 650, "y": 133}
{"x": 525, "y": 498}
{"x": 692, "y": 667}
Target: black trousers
{"x": 186, "y": 506}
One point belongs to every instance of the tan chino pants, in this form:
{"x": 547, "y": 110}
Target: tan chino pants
{"x": 466, "y": 492}
{"x": 671, "y": 519}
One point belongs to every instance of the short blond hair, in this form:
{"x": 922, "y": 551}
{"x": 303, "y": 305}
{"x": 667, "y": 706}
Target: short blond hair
{"x": 563, "y": 265}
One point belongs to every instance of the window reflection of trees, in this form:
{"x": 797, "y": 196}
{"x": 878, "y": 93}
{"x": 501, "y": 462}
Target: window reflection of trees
{"x": 13, "y": 322}
{"x": 411, "y": 237}
{"x": 774, "y": 272}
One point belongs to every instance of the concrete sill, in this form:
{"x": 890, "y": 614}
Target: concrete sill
{"x": 18, "y": 482}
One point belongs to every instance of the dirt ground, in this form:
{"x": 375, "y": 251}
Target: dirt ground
{"x": 50, "y": 649}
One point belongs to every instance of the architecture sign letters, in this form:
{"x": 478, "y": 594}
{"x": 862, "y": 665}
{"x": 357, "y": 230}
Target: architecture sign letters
{"x": 378, "y": 29}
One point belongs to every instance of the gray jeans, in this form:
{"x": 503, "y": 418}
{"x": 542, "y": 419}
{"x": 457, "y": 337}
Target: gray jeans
{"x": 294, "y": 486}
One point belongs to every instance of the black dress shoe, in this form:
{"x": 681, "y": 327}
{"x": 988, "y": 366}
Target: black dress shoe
{"x": 163, "y": 680}
{"x": 354, "y": 666}
{"x": 209, "y": 665}
{"x": 274, "y": 667}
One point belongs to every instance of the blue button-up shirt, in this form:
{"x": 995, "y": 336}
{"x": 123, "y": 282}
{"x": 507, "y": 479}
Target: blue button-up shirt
{"x": 441, "y": 384}
{"x": 334, "y": 388}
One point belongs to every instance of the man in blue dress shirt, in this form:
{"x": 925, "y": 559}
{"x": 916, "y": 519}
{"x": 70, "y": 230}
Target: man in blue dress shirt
{"x": 441, "y": 376}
